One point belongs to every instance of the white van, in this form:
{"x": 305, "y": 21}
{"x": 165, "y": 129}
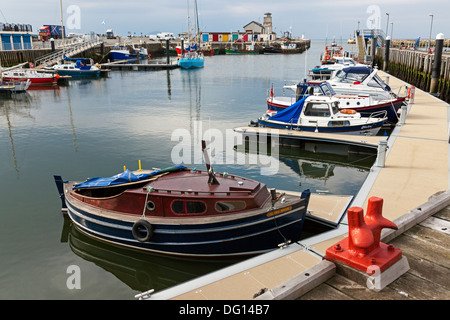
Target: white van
{"x": 165, "y": 35}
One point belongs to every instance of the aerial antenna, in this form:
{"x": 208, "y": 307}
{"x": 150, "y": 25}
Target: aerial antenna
{"x": 212, "y": 178}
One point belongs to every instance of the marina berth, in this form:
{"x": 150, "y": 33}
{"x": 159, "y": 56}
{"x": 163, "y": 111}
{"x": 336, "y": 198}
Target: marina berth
{"x": 322, "y": 114}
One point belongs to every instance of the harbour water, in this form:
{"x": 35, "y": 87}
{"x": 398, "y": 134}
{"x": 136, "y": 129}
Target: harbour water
{"x": 96, "y": 127}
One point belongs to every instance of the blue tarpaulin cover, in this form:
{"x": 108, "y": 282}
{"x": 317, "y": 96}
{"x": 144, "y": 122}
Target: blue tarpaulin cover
{"x": 291, "y": 113}
{"x": 125, "y": 177}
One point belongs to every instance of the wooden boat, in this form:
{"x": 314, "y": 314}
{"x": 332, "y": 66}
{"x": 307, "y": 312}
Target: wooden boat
{"x": 364, "y": 104}
{"x": 322, "y": 114}
{"x": 184, "y": 212}
{"x": 36, "y": 78}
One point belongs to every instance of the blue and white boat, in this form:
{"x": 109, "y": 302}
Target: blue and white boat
{"x": 364, "y": 104}
{"x": 118, "y": 53}
{"x": 192, "y": 60}
{"x": 184, "y": 212}
{"x": 322, "y": 114}
{"x": 80, "y": 68}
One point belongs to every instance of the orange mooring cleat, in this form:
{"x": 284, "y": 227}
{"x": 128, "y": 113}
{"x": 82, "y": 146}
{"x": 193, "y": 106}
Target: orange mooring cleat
{"x": 362, "y": 248}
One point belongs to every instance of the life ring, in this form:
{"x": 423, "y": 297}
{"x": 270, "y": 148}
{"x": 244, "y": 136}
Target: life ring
{"x": 347, "y": 111}
{"x": 142, "y": 230}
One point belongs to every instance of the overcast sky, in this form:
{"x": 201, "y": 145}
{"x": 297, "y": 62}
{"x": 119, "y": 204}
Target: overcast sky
{"x": 316, "y": 19}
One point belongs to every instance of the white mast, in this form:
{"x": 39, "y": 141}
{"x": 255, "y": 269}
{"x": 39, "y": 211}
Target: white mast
{"x": 62, "y": 26}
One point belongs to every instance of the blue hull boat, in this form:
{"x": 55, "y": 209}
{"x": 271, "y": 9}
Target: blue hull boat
{"x": 184, "y": 212}
{"x": 189, "y": 63}
{"x": 322, "y": 114}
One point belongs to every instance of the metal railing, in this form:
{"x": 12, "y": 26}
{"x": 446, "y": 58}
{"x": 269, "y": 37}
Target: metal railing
{"x": 68, "y": 51}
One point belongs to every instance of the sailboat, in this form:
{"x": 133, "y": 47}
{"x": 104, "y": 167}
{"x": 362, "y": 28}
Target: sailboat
{"x": 192, "y": 58}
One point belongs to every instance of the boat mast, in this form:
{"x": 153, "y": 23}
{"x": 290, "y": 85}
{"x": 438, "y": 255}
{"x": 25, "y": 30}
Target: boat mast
{"x": 188, "y": 26}
{"x": 62, "y": 27}
{"x": 197, "y": 29}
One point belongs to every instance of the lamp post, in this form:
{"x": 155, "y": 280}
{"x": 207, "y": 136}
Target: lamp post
{"x": 392, "y": 29}
{"x": 431, "y": 27}
{"x": 387, "y": 24}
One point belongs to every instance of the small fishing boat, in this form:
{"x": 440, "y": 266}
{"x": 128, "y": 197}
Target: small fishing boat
{"x": 322, "y": 114}
{"x": 178, "y": 211}
{"x": 249, "y": 49}
{"x": 36, "y": 78}
{"x": 271, "y": 49}
{"x": 118, "y": 53}
{"x": 78, "y": 69}
{"x": 331, "y": 53}
{"x": 288, "y": 48}
{"x": 366, "y": 105}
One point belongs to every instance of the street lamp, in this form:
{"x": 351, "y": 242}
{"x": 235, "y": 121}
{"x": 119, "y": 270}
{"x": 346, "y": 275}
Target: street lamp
{"x": 392, "y": 29}
{"x": 387, "y": 24}
{"x": 431, "y": 27}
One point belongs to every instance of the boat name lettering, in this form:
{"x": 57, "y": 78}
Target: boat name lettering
{"x": 275, "y": 212}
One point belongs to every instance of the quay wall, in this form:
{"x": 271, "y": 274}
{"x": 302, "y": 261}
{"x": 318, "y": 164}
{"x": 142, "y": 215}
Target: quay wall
{"x": 415, "y": 67}
{"x": 99, "y": 54}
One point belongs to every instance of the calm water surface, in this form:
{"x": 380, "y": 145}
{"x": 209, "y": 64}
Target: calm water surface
{"x": 94, "y": 128}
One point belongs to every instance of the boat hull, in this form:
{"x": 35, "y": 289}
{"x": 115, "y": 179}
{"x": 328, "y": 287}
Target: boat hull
{"x": 80, "y": 73}
{"x": 34, "y": 81}
{"x": 366, "y": 129}
{"x": 246, "y": 234}
{"x": 117, "y": 56}
{"x": 191, "y": 63}
{"x": 231, "y": 51}
{"x": 390, "y": 108}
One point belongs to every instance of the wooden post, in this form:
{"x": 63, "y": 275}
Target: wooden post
{"x": 167, "y": 51}
{"x": 387, "y": 44}
{"x": 374, "y": 48}
{"x": 436, "y": 70}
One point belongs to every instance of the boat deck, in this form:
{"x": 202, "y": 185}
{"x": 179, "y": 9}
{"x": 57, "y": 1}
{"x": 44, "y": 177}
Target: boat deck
{"x": 416, "y": 168}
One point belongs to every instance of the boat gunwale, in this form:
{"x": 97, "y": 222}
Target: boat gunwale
{"x": 265, "y": 207}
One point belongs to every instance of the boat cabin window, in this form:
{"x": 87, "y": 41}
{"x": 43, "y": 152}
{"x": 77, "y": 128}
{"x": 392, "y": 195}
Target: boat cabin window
{"x": 376, "y": 82}
{"x": 327, "y": 89}
{"x": 188, "y": 207}
{"x": 223, "y": 206}
{"x": 335, "y": 107}
{"x": 317, "y": 110}
{"x": 339, "y": 123}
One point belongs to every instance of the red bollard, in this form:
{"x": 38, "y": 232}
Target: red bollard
{"x": 362, "y": 248}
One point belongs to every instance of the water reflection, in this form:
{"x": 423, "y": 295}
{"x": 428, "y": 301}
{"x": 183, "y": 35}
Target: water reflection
{"x": 336, "y": 173}
{"x": 18, "y": 105}
{"x": 140, "y": 271}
